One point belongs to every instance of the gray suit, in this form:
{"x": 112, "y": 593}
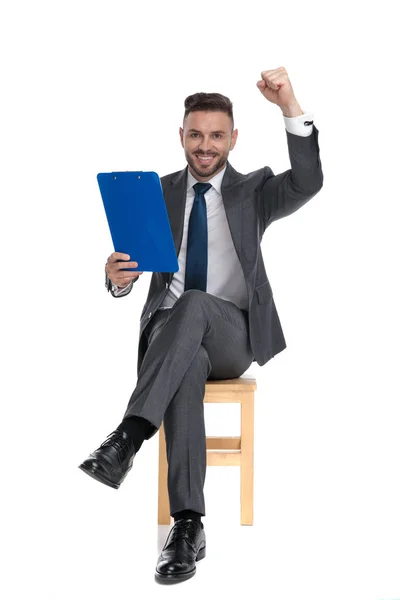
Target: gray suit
{"x": 203, "y": 336}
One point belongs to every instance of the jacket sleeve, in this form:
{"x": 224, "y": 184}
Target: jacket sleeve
{"x": 123, "y": 291}
{"x": 283, "y": 194}
{"x": 119, "y": 293}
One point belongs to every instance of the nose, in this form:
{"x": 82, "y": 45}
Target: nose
{"x": 206, "y": 145}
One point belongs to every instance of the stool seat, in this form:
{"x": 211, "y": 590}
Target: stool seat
{"x": 222, "y": 451}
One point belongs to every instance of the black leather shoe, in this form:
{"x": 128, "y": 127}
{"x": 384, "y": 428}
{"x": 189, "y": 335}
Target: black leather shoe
{"x": 185, "y": 544}
{"x": 111, "y": 462}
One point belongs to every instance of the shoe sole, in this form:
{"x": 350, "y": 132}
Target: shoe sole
{"x": 99, "y": 477}
{"x": 180, "y": 576}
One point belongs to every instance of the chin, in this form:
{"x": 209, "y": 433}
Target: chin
{"x": 206, "y": 171}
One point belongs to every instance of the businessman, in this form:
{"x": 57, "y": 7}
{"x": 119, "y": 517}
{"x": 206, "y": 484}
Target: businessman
{"x": 216, "y": 315}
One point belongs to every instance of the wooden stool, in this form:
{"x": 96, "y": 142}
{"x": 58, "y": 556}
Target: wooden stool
{"x": 222, "y": 451}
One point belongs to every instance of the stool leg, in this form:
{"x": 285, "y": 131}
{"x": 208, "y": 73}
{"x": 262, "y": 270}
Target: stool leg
{"x": 247, "y": 459}
{"x": 164, "y": 518}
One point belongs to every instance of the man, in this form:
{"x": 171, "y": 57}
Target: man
{"x": 216, "y": 315}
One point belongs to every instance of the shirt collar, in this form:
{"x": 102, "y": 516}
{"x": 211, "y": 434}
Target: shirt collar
{"x": 215, "y": 181}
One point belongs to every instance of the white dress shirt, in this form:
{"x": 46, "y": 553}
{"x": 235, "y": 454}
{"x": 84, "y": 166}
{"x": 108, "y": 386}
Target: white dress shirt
{"x": 225, "y": 277}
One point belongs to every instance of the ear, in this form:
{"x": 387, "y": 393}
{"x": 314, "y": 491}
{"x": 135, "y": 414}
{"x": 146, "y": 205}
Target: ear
{"x": 181, "y": 136}
{"x": 235, "y": 133}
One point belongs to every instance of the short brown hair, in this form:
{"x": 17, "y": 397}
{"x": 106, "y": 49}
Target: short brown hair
{"x": 209, "y": 102}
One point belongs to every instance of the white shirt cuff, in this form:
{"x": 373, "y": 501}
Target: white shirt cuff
{"x": 298, "y": 125}
{"x": 118, "y": 291}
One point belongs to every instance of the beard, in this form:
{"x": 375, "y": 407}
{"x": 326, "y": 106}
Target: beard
{"x": 206, "y": 170}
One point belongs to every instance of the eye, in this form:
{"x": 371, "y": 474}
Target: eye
{"x": 218, "y": 134}
{"x": 193, "y": 134}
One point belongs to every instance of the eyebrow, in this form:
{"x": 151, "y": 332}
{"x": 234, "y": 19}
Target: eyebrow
{"x": 197, "y": 131}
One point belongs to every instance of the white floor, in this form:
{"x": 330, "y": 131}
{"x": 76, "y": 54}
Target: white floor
{"x": 72, "y": 538}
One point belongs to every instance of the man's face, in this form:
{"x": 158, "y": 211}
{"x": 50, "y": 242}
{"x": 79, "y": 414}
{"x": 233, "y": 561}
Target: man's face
{"x": 207, "y": 135}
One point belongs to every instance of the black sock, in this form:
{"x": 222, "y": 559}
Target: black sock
{"x": 138, "y": 428}
{"x": 187, "y": 514}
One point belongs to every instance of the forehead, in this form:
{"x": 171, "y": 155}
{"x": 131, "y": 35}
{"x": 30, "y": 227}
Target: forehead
{"x": 207, "y": 121}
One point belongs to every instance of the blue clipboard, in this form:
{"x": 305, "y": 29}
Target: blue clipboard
{"x": 138, "y": 220}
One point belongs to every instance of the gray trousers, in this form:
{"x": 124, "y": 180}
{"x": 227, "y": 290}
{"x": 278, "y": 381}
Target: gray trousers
{"x": 201, "y": 337}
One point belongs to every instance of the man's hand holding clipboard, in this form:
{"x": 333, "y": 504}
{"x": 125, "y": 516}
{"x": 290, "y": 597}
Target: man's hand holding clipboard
{"x": 116, "y": 263}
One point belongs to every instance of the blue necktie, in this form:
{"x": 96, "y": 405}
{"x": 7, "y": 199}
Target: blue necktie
{"x": 197, "y": 242}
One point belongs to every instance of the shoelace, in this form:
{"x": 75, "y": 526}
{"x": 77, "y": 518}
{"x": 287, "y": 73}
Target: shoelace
{"x": 182, "y": 529}
{"x": 116, "y": 440}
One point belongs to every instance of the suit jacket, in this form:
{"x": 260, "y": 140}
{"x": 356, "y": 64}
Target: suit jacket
{"x": 252, "y": 202}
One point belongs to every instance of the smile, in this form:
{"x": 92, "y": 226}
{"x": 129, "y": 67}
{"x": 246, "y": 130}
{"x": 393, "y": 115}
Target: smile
{"x": 205, "y": 159}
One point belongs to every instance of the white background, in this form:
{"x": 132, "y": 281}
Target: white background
{"x": 100, "y": 86}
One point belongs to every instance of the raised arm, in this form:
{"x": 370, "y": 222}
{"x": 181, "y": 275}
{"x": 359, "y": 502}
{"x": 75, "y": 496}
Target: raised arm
{"x": 283, "y": 194}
